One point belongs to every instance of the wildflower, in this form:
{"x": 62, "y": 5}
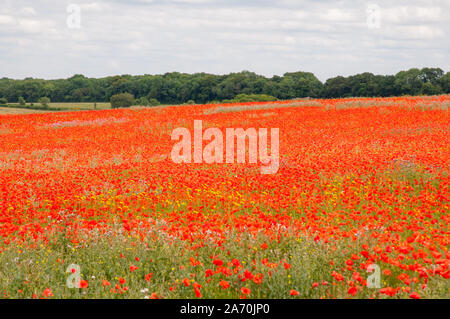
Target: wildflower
{"x": 257, "y": 279}
{"x": 352, "y": 291}
{"x": 218, "y": 262}
{"x": 224, "y": 284}
{"x": 387, "y": 272}
{"x": 337, "y": 276}
{"x": 245, "y": 291}
{"x": 47, "y": 292}
{"x": 294, "y": 292}
{"x": 414, "y": 295}
{"x": 248, "y": 275}
{"x": 148, "y": 277}
{"x": 83, "y": 284}
{"x": 389, "y": 291}
{"x": 197, "y": 292}
{"x": 186, "y": 282}
{"x": 133, "y": 268}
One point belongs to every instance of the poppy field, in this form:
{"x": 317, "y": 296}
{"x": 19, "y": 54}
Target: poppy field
{"x": 92, "y": 206}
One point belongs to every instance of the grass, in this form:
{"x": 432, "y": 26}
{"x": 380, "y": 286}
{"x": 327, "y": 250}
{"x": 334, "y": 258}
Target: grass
{"x": 262, "y": 106}
{"x": 16, "y": 108}
{"x": 75, "y": 106}
{"x": 13, "y": 110}
{"x": 168, "y": 268}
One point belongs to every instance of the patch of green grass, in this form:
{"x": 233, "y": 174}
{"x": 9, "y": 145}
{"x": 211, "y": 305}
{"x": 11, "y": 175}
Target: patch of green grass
{"x": 282, "y": 265}
{"x": 69, "y": 106}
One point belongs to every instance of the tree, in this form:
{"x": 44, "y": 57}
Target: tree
{"x": 431, "y": 89}
{"x": 21, "y": 100}
{"x": 445, "y": 83}
{"x": 3, "y": 101}
{"x": 142, "y": 101}
{"x": 409, "y": 82}
{"x": 337, "y": 87}
{"x": 304, "y": 84}
{"x": 179, "y": 88}
{"x": 432, "y": 75}
{"x": 122, "y": 100}
{"x": 44, "y": 101}
{"x": 153, "y": 102}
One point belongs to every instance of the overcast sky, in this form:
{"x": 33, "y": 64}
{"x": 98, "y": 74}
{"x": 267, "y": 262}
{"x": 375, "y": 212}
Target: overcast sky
{"x": 49, "y": 39}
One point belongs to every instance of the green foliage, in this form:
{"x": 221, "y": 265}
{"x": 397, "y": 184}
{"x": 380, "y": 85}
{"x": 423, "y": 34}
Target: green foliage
{"x": 142, "y": 101}
{"x": 242, "y": 98}
{"x": 3, "y": 101}
{"x": 445, "y": 83}
{"x": 179, "y": 88}
{"x": 21, "y": 100}
{"x": 44, "y": 101}
{"x": 30, "y": 271}
{"x": 122, "y": 100}
{"x": 153, "y": 102}
{"x": 428, "y": 81}
{"x": 431, "y": 89}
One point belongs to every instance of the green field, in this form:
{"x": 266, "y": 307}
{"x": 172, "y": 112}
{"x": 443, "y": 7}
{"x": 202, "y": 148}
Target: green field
{"x": 16, "y": 108}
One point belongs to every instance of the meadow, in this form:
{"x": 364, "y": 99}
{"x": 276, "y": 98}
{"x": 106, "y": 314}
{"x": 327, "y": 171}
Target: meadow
{"x": 92, "y": 206}
{"x": 28, "y": 108}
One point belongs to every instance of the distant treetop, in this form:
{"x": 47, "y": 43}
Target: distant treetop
{"x": 179, "y": 88}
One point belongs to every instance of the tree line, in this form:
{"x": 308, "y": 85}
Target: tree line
{"x": 178, "y": 88}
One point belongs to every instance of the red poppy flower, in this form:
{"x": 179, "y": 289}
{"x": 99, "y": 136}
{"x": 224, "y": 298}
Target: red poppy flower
{"x": 245, "y": 291}
{"x": 218, "y": 262}
{"x": 84, "y": 284}
{"x": 186, "y": 282}
{"x": 294, "y": 292}
{"x": 224, "y": 284}
{"x": 133, "y": 268}
{"x": 352, "y": 291}
{"x": 414, "y": 295}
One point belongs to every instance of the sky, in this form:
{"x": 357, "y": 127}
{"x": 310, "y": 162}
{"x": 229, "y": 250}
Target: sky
{"x": 57, "y": 39}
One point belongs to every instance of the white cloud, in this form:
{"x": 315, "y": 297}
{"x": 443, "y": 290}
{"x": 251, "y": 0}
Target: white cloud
{"x": 92, "y": 7}
{"x": 28, "y": 11}
{"x": 5, "y": 19}
{"x": 143, "y": 36}
{"x": 412, "y": 14}
{"x": 335, "y": 14}
{"x": 420, "y": 32}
